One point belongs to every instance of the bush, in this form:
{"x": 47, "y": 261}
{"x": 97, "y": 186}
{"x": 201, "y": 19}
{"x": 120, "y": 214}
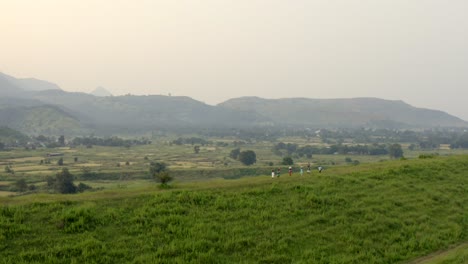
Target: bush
{"x": 82, "y": 187}
{"x": 427, "y": 156}
{"x": 157, "y": 167}
{"x": 163, "y": 177}
{"x": 21, "y": 185}
{"x": 287, "y": 161}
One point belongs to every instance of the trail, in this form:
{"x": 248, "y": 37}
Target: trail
{"x": 439, "y": 255}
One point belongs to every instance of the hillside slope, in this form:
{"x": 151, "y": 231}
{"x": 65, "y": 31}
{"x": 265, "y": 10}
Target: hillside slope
{"x": 143, "y": 113}
{"x": 29, "y": 84}
{"x": 354, "y": 112}
{"x": 380, "y": 213}
{"x": 43, "y": 119}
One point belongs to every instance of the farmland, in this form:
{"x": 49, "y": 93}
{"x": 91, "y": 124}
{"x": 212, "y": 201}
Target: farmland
{"x": 379, "y": 210}
{"x": 383, "y": 212}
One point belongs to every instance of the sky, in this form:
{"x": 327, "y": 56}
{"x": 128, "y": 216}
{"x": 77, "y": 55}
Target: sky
{"x": 214, "y": 50}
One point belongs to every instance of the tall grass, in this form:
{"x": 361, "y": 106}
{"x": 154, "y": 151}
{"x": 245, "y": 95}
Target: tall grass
{"x": 381, "y": 213}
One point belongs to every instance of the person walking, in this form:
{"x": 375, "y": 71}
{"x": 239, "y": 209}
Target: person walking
{"x": 290, "y": 170}
{"x": 272, "y": 173}
{"x": 308, "y": 168}
{"x": 278, "y": 172}
{"x": 320, "y": 168}
{"x": 302, "y": 171}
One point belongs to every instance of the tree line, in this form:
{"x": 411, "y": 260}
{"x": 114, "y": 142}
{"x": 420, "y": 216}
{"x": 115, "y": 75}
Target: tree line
{"x": 289, "y": 149}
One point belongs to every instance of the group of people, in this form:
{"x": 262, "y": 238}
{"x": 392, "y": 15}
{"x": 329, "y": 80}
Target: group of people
{"x": 290, "y": 171}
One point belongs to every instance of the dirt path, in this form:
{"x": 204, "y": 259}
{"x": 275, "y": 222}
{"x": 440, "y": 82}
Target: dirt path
{"x": 438, "y": 256}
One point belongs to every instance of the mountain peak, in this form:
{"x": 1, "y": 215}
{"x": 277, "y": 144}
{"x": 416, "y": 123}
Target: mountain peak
{"x": 101, "y": 91}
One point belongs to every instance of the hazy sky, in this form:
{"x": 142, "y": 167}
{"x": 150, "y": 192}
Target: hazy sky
{"x": 212, "y": 50}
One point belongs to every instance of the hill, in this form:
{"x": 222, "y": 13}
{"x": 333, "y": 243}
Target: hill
{"x": 42, "y": 119}
{"x": 129, "y": 114}
{"x": 28, "y": 84}
{"x": 143, "y": 113}
{"x": 9, "y": 136}
{"x": 388, "y": 212}
{"x": 356, "y": 112}
{"x": 101, "y": 91}
{"x": 8, "y": 89}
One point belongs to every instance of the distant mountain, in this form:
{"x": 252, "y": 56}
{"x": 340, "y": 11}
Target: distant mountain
{"x": 142, "y": 113}
{"x": 29, "y": 84}
{"x": 356, "y": 112}
{"x": 44, "y": 119}
{"x": 101, "y": 91}
{"x": 9, "y": 89}
{"x": 54, "y": 111}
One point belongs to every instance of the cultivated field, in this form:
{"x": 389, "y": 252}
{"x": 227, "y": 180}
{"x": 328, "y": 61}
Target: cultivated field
{"x": 379, "y": 211}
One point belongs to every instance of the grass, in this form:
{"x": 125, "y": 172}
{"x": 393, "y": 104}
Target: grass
{"x": 456, "y": 255}
{"x": 387, "y": 212}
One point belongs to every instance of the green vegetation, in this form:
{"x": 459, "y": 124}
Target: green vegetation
{"x": 11, "y": 136}
{"x": 158, "y": 170}
{"x": 386, "y": 212}
{"x": 456, "y": 255}
{"x": 247, "y": 157}
{"x": 287, "y": 161}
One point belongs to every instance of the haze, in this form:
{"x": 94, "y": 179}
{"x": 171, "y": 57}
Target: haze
{"x": 213, "y": 50}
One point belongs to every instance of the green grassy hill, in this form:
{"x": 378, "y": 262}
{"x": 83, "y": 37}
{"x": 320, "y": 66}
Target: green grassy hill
{"x": 8, "y": 135}
{"x": 388, "y": 212}
{"x": 42, "y": 119}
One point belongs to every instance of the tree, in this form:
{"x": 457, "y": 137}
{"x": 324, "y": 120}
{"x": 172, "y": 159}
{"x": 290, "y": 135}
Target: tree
{"x": 21, "y": 185}
{"x": 395, "y": 151}
{"x": 196, "y": 149}
{"x": 60, "y": 162}
{"x": 247, "y": 157}
{"x": 234, "y": 153}
{"x": 157, "y": 167}
{"x": 8, "y": 169}
{"x": 287, "y": 161}
{"x": 61, "y": 140}
{"x": 64, "y": 182}
{"x": 163, "y": 177}
{"x": 158, "y": 170}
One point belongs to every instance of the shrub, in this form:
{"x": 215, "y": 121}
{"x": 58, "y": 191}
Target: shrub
{"x": 163, "y": 177}
{"x": 427, "y": 156}
{"x": 21, "y": 185}
{"x": 287, "y": 161}
{"x": 157, "y": 167}
{"x": 82, "y": 187}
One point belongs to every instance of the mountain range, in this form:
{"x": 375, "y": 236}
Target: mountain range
{"x": 40, "y": 107}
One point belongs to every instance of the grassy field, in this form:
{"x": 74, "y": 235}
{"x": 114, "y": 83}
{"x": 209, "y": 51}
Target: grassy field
{"x": 455, "y": 255}
{"x": 384, "y": 212}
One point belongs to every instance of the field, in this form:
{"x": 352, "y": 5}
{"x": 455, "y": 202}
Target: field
{"x": 122, "y": 163}
{"x": 382, "y": 212}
